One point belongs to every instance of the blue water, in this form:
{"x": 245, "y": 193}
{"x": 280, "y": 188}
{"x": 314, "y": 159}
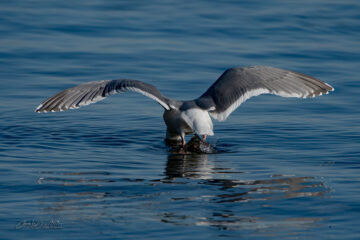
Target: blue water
{"x": 287, "y": 168}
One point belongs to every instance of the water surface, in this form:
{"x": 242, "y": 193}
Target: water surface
{"x": 286, "y": 168}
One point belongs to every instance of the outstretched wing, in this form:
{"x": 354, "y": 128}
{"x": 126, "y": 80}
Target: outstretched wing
{"x": 92, "y": 92}
{"x": 236, "y": 85}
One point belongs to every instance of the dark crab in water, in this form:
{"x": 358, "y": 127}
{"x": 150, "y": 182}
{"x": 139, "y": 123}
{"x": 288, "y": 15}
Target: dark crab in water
{"x": 195, "y": 146}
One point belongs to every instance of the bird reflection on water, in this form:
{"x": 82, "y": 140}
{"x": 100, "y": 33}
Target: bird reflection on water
{"x": 197, "y": 167}
{"x": 265, "y": 191}
{"x": 222, "y": 190}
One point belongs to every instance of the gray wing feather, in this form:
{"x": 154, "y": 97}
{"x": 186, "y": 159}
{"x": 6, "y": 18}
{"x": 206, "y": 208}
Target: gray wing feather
{"x": 236, "y": 85}
{"x": 92, "y": 92}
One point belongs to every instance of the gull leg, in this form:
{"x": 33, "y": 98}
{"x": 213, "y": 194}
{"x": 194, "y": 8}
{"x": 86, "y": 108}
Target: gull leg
{"x": 204, "y": 137}
{"x": 183, "y": 142}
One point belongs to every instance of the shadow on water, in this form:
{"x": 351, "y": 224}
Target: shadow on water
{"x": 191, "y": 184}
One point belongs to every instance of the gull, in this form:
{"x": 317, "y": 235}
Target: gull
{"x": 231, "y": 89}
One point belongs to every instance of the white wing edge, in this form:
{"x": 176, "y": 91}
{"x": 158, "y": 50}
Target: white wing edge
{"x": 147, "y": 94}
{"x": 222, "y": 116}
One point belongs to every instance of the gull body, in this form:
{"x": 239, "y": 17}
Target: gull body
{"x": 232, "y": 88}
{"x": 182, "y": 122}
